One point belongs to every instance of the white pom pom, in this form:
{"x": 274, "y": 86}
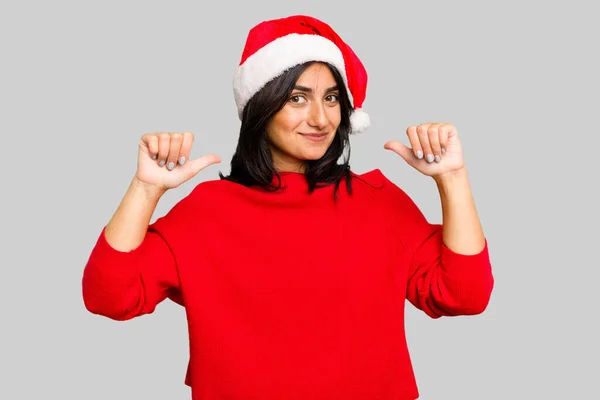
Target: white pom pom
{"x": 359, "y": 121}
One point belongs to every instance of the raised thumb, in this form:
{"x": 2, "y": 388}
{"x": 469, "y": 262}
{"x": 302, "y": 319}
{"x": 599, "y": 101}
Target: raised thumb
{"x": 200, "y": 163}
{"x": 400, "y": 149}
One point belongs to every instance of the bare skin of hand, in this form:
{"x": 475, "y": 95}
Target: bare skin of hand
{"x": 436, "y": 152}
{"x": 163, "y": 164}
{"x": 163, "y": 160}
{"x": 435, "y": 149}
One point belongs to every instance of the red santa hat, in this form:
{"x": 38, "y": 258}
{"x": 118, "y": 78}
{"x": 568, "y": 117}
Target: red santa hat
{"x": 274, "y": 46}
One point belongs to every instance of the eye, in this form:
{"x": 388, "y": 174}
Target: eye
{"x": 297, "y": 99}
{"x": 332, "y": 97}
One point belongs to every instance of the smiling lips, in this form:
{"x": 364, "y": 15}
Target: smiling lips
{"x": 315, "y": 137}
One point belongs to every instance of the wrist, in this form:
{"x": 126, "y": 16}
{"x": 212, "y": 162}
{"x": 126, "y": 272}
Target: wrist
{"x": 451, "y": 178}
{"x": 150, "y": 190}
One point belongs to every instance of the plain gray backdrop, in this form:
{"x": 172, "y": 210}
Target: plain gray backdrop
{"x": 82, "y": 81}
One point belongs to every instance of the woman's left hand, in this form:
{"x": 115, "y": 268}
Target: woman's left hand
{"x": 435, "y": 151}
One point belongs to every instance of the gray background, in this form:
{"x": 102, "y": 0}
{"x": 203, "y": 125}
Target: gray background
{"x": 82, "y": 81}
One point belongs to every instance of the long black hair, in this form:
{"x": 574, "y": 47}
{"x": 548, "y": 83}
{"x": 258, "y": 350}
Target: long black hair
{"x": 252, "y": 162}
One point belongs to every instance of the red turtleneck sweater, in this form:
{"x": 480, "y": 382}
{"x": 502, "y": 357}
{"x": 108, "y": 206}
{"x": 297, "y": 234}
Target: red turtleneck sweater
{"x": 289, "y": 295}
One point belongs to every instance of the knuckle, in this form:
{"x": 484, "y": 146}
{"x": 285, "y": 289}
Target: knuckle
{"x": 176, "y": 136}
{"x": 163, "y": 151}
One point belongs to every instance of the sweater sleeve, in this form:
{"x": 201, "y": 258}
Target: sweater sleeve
{"x": 122, "y": 285}
{"x": 440, "y": 282}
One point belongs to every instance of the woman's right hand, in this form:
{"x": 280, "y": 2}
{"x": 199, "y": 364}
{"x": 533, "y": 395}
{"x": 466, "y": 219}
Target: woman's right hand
{"x": 163, "y": 160}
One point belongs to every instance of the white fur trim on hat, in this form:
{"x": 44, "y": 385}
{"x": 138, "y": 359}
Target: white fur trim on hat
{"x": 280, "y": 55}
{"x": 359, "y": 121}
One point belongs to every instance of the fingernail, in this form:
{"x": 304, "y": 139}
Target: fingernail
{"x": 171, "y": 166}
{"x": 182, "y": 160}
{"x": 419, "y": 154}
{"x": 429, "y": 158}
{"x": 437, "y": 158}
{"x": 161, "y": 163}
{"x": 443, "y": 150}
{"x": 154, "y": 157}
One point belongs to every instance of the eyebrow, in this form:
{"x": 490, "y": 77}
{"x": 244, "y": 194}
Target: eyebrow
{"x": 309, "y": 90}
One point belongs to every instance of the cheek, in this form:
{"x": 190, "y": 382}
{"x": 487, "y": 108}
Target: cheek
{"x": 335, "y": 117}
{"x": 287, "y": 123}
{"x": 281, "y": 128}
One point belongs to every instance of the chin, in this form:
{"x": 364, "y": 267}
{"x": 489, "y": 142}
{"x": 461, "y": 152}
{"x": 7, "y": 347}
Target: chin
{"x": 312, "y": 154}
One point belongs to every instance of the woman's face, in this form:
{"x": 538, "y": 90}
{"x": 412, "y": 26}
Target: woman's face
{"x": 312, "y": 109}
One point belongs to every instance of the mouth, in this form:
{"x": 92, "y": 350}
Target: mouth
{"x": 315, "y": 137}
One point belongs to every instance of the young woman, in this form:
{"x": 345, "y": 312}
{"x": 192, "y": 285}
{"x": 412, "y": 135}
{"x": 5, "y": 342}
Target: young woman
{"x": 294, "y": 270}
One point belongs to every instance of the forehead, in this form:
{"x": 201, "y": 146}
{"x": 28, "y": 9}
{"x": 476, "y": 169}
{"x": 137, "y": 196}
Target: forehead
{"x": 316, "y": 75}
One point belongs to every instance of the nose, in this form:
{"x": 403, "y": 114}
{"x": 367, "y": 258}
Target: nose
{"x": 317, "y": 116}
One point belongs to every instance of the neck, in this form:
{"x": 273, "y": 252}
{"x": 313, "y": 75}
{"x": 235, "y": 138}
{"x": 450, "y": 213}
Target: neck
{"x": 296, "y": 168}
{"x": 285, "y": 163}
